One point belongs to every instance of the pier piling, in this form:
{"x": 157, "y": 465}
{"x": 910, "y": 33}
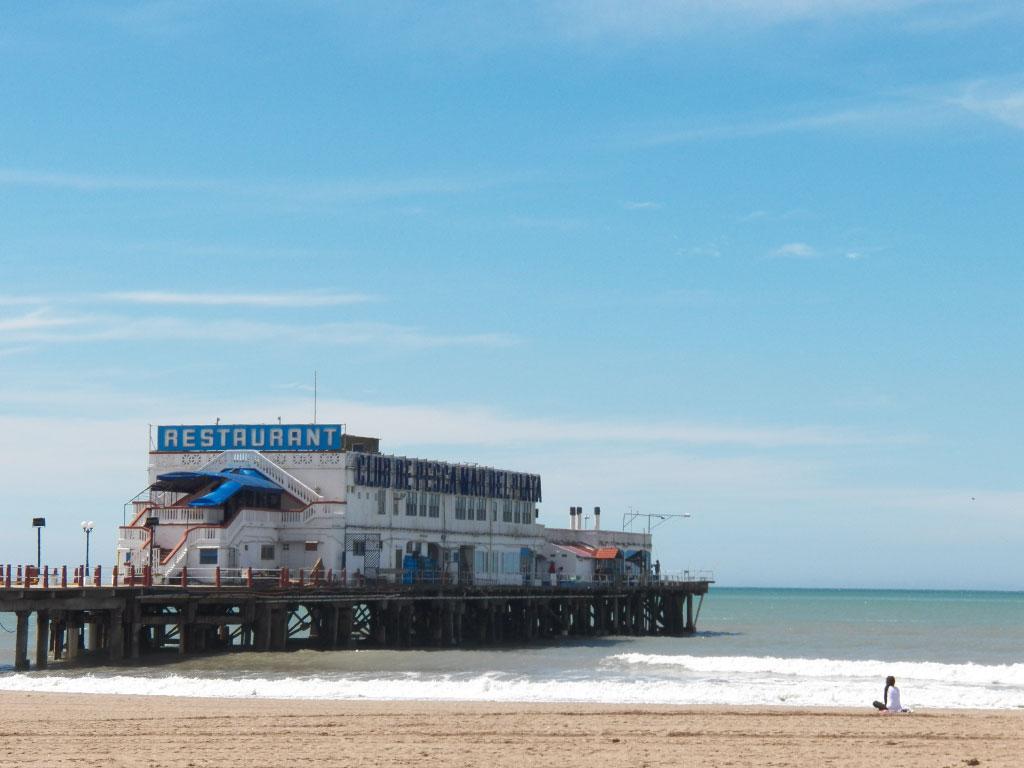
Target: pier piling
{"x": 118, "y": 622}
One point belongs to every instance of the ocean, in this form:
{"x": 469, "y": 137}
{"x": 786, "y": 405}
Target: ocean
{"x": 797, "y": 647}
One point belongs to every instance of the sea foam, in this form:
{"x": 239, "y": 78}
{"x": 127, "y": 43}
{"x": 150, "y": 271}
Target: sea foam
{"x": 622, "y": 679}
{"x": 920, "y": 671}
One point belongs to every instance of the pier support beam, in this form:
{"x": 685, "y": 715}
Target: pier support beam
{"x": 42, "y": 638}
{"x": 58, "y": 629}
{"x": 73, "y": 632}
{"x": 21, "y": 642}
{"x": 115, "y": 631}
{"x": 345, "y": 627}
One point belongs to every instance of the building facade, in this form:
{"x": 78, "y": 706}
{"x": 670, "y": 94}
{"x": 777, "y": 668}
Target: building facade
{"x": 311, "y": 498}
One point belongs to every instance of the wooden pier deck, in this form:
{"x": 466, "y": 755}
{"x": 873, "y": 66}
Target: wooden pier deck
{"x": 114, "y": 624}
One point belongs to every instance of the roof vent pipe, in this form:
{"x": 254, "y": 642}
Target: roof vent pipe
{"x": 597, "y": 518}
{"x": 572, "y": 518}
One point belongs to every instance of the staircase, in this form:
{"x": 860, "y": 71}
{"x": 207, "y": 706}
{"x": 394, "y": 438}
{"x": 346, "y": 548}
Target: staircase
{"x": 263, "y": 465}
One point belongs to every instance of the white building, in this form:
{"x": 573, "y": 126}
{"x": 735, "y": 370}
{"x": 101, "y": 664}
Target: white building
{"x": 307, "y": 497}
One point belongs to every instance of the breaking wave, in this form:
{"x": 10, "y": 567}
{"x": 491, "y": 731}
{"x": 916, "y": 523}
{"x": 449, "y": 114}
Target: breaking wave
{"x": 619, "y": 679}
{"x": 921, "y": 671}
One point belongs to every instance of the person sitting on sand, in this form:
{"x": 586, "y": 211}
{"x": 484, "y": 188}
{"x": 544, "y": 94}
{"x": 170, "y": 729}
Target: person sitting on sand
{"x": 891, "y": 698}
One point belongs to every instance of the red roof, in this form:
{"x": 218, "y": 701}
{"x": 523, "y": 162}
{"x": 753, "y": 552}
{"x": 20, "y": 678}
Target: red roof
{"x": 607, "y": 553}
{"x": 576, "y": 549}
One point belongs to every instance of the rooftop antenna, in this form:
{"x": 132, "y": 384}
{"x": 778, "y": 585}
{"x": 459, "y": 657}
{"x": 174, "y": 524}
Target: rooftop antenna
{"x": 632, "y": 514}
{"x": 314, "y": 397}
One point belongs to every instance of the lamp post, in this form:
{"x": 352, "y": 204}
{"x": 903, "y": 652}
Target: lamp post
{"x": 39, "y": 523}
{"x": 87, "y": 526}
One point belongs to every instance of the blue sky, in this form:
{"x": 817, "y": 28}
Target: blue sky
{"x": 756, "y": 262}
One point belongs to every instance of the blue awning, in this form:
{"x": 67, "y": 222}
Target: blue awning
{"x": 228, "y": 483}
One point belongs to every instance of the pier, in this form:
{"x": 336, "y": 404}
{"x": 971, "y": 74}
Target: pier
{"x": 131, "y": 618}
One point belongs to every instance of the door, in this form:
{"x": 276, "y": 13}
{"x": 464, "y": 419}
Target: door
{"x": 467, "y": 556}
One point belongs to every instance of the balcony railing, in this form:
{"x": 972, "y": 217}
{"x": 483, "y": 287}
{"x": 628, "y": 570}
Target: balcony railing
{"x": 27, "y": 577}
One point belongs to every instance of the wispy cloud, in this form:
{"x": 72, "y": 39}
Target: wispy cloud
{"x": 912, "y": 109}
{"x": 1003, "y": 103}
{"x": 285, "y": 299}
{"x": 653, "y": 19}
{"x": 39, "y": 320}
{"x": 47, "y": 328}
{"x": 762, "y": 215}
{"x": 700, "y": 252}
{"x": 644, "y": 205}
{"x": 193, "y": 298}
{"x": 866, "y": 116}
{"x": 469, "y": 425}
{"x": 793, "y": 251}
{"x": 350, "y": 189}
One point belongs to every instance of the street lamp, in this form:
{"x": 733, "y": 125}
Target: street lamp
{"x": 39, "y": 523}
{"x": 87, "y": 527}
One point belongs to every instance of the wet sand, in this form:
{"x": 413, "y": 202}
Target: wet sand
{"x": 43, "y": 729}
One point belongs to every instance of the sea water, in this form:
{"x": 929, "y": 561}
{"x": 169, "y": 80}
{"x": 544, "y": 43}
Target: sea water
{"x": 755, "y": 646}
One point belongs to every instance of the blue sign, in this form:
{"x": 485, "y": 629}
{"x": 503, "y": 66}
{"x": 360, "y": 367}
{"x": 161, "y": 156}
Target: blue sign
{"x": 250, "y": 437}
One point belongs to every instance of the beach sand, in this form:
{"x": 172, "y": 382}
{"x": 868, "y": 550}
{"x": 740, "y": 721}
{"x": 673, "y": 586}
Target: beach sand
{"x": 41, "y": 729}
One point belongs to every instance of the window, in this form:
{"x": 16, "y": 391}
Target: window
{"x": 359, "y": 548}
{"x": 394, "y": 504}
{"x": 208, "y": 556}
{"x": 481, "y": 509}
{"x": 506, "y": 511}
{"x": 410, "y": 504}
{"x": 424, "y": 499}
{"x": 266, "y": 552}
{"x": 494, "y": 511}
{"x": 312, "y": 546}
{"x": 381, "y": 500}
{"x": 435, "y": 505}
{"x": 517, "y": 511}
{"x": 460, "y": 507}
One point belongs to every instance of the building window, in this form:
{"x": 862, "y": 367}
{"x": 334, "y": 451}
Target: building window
{"x": 266, "y": 552}
{"x": 359, "y": 548}
{"x": 506, "y": 511}
{"x": 312, "y": 546}
{"x": 460, "y": 507}
{"x": 494, "y": 511}
{"x": 424, "y": 499}
{"x": 481, "y": 509}
{"x": 435, "y": 505}
{"x": 410, "y": 504}
{"x": 394, "y": 504}
{"x": 517, "y": 511}
{"x": 381, "y": 501}
{"x": 208, "y": 556}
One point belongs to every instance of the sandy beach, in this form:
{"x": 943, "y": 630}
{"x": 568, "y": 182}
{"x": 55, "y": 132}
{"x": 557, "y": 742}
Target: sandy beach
{"x": 51, "y": 730}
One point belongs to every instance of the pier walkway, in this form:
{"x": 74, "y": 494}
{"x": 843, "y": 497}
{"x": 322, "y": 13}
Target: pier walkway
{"x": 130, "y": 618}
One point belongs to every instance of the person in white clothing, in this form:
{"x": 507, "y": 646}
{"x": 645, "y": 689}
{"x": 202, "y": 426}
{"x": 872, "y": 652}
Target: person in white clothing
{"x": 891, "y": 698}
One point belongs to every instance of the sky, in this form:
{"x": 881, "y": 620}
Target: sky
{"x": 755, "y": 262}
